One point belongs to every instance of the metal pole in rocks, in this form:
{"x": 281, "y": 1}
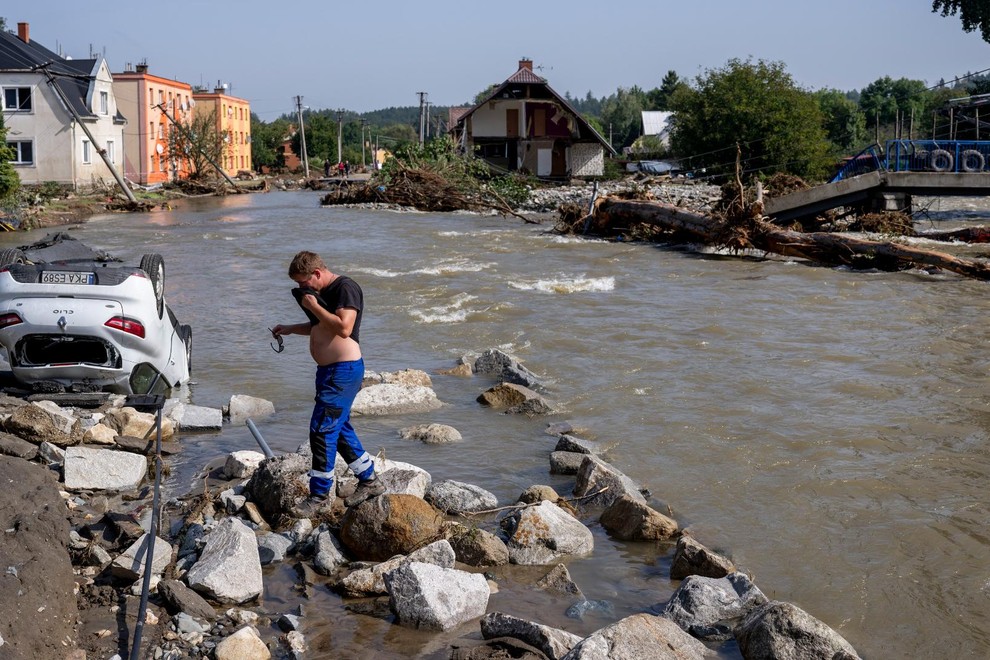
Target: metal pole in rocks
{"x": 261, "y": 441}
{"x": 158, "y": 401}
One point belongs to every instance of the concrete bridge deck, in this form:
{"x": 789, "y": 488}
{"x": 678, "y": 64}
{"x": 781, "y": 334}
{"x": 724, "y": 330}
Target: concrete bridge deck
{"x": 875, "y": 189}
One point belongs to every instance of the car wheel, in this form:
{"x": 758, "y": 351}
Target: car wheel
{"x": 185, "y": 332}
{"x": 12, "y": 256}
{"x": 154, "y": 266}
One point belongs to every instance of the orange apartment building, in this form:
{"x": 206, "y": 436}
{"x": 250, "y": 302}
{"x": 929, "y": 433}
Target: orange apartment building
{"x": 233, "y": 118}
{"x": 144, "y": 99}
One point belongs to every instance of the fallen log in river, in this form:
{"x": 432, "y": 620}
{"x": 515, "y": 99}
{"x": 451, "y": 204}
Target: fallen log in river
{"x": 758, "y": 234}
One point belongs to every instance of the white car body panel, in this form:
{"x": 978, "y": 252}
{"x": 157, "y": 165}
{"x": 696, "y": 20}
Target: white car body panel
{"x": 63, "y": 336}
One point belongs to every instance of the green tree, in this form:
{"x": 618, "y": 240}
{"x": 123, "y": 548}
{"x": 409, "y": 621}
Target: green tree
{"x": 845, "y": 124}
{"x": 758, "y": 106}
{"x": 266, "y": 138}
{"x": 622, "y": 116}
{"x": 659, "y": 98}
{"x": 975, "y": 14}
{"x": 885, "y": 100}
{"x": 200, "y": 141}
{"x": 483, "y": 94}
{"x": 10, "y": 181}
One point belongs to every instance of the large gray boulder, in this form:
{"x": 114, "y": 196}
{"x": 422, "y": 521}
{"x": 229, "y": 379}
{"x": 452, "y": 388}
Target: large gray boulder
{"x": 229, "y": 568}
{"x": 513, "y": 398}
{"x": 552, "y": 642}
{"x": 544, "y": 534}
{"x": 429, "y": 597}
{"x": 594, "y": 475}
{"x": 36, "y": 423}
{"x": 180, "y": 598}
{"x": 640, "y": 636}
{"x": 504, "y": 367}
{"x": 692, "y": 558}
{"x": 328, "y": 556}
{"x": 475, "y": 546}
{"x": 278, "y": 482}
{"x": 243, "y": 407}
{"x": 457, "y": 497}
{"x": 395, "y": 399}
{"x": 103, "y": 469}
{"x": 782, "y": 631}
{"x": 431, "y": 434}
{"x": 371, "y": 581}
{"x": 710, "y": 608}
{"x": 631, "y": 520}
{"x": 130, "y": 564}
{"x": 192, "y": 418}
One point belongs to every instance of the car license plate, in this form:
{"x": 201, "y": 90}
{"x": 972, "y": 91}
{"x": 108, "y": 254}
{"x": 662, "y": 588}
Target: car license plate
{"x": 67, "y": 277}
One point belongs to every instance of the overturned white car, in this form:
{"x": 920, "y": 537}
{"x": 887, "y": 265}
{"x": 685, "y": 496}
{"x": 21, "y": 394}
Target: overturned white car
{"x": 72, "y": 319}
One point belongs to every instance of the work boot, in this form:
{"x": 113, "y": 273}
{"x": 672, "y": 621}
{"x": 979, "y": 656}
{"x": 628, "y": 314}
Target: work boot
{"x": 365, "y": 491}
{"x": 312, "y": 505}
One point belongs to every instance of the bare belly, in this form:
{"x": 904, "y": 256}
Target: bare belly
{"x": 327, "y": 348}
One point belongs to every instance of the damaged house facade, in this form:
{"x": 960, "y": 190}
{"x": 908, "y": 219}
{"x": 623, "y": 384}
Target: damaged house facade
{"x": 525, "y": 126}
{"x": 61, "y": 114}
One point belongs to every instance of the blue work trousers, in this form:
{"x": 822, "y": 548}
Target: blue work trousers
{"x": 330, "y": 429}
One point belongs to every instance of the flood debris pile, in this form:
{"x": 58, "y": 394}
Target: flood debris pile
{"x": 424, "y": 189}
{"x": 736, "y": 223}
{"x": 426, "y": 554}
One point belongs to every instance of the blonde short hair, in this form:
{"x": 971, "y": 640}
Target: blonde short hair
{"x": 305, "y": 263}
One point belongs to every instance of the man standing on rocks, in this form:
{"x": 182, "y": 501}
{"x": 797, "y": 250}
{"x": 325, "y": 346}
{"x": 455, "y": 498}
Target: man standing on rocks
{"x": 333, "y": 304}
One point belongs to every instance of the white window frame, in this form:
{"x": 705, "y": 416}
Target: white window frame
{"x": 87, "y": 152}
{"x": 16, "y": 107}
{"x": 15, "y": 146}
{"x": 104, "y": 103}
{"x": 111, "y": 151}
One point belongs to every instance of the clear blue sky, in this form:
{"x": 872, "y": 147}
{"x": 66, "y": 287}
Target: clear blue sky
{"x": 366, "y": 56}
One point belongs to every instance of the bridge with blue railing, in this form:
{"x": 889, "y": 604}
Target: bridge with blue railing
{"x": 888, "y": 178}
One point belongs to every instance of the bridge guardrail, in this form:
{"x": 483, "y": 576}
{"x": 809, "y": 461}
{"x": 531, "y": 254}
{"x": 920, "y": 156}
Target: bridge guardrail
{"x": 954, "y": 156}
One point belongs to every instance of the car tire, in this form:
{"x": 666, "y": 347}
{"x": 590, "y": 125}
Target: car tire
{"x": 185, "y": 332}
{"x": 154, "y": 266}
{"x": 12, "y": 256}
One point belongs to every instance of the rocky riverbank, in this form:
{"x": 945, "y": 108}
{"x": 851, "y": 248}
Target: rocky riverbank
{"x": 421, "y": 556}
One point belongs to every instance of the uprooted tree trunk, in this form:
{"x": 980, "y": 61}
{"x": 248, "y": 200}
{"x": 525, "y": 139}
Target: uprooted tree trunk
{"x": 756, "y": 233}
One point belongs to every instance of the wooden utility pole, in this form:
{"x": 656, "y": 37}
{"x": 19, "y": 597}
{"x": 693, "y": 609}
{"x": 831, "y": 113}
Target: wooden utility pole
{"x": 103, "y": 152}
{"x": 302, "y": 135}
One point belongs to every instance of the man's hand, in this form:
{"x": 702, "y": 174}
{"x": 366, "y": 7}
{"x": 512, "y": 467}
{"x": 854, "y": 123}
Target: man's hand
{"x": 309, "y": 302}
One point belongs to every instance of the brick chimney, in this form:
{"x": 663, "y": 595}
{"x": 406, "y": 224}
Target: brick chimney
{"x": 24, "y": 32}
{"x": 526, "y": 63}
{"x": 141, "y": 68}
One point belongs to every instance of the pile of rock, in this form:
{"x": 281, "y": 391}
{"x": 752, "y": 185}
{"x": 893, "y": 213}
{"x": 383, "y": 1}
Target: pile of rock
{"x": 688, "y": 194}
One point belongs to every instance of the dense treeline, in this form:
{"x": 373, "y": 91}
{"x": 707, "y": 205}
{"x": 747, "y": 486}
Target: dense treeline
{"x": 755, "y": 108}
{"x": 751, "y": 113}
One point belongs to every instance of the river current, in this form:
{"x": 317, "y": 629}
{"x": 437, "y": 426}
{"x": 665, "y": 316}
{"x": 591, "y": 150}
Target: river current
{"x": 826, "y": 429}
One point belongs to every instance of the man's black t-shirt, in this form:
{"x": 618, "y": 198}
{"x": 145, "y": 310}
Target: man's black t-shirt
{"x": 342, "y": 292}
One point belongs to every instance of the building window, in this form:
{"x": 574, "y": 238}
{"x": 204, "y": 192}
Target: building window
{"x": 151, "y": 130}
{"x": 17, "y": 99}
{"x": 87, "y": 154}
{"x": 104, "y": 103}
{"x": 161, "y": 97}
{"x": 111, "y": 152}
{"x": 23, "y": 151}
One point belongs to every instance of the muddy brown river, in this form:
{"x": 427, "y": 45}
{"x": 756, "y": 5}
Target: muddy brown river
{"x": 828, "y": 430}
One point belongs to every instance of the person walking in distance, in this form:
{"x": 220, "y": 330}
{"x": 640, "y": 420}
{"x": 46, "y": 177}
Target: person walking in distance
{"x": 334, "y": 305}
